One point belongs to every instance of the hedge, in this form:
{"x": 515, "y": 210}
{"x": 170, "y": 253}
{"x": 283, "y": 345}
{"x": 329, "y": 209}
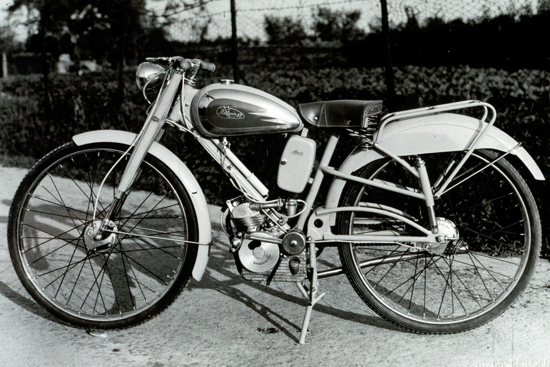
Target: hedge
{"x": 35, "y": 120}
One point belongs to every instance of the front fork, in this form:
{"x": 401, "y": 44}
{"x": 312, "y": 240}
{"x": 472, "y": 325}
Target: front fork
{"x": 151, "y": 131}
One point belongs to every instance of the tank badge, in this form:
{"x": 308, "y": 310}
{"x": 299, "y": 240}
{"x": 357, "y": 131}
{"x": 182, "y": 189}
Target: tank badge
{"x": 226, "y": 112}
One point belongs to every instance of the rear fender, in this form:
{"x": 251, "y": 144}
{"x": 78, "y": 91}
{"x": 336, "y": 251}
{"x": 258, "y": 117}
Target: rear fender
{"x": 181, "y": 171}
{"x": 446, "y": 132}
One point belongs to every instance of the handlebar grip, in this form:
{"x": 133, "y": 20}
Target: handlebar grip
{"x": 208, "y": 66}
{"x": 187, "y": 64}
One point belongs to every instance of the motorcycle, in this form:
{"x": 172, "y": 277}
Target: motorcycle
{"x": 435, "y": 228}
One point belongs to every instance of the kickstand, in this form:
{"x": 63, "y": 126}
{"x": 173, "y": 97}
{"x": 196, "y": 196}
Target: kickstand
{"x": 311, "y": 295}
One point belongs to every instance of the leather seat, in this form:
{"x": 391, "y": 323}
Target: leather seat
{"x": 340, "y": 113}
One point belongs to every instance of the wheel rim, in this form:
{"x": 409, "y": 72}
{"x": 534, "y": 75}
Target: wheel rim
{"x": 102, "y": 284}
{"x": 470, "y": 280}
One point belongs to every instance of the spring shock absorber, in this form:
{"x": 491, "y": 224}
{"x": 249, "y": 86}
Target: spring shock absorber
{"x": 426, "y": 187}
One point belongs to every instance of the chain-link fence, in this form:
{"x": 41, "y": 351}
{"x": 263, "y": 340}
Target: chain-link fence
{"x": 214, "y": 20}
{"x": 457, "y": 43}
{"x": 397, "y": 32}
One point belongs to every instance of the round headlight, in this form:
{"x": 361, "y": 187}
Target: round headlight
{"x": 150, "y": 76}
{"x": 147, "y": 71}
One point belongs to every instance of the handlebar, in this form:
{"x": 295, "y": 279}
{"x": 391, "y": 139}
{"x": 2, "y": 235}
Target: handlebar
{"x": 185, "y": 64}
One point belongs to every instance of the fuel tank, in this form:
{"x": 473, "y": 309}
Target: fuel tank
{"x": 223, "y": 109}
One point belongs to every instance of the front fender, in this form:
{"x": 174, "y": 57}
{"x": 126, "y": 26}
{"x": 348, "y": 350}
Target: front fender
{"x": 446, "y": 132}
{"x": 181, "y": 171}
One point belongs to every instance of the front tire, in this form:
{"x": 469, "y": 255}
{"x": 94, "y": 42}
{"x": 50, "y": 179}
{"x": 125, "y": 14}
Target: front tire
{"x": 477, "y": 278}
{"x": 122, "y": 281}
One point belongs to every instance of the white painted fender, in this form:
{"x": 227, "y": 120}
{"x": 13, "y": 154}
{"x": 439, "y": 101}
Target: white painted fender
{"x": 445, "y": 132}
{"x": 181, "y": 171}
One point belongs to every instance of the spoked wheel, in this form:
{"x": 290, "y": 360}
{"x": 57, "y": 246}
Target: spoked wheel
{"x": 140, "y": 263}
{"x": 473, "y": 279}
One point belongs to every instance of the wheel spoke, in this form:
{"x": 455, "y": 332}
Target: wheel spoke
{"x": 81, "y": 277}
{"x": 493, "y": 212}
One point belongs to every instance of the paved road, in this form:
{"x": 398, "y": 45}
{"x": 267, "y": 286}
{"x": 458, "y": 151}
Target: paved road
{"x": 220, "y": 321}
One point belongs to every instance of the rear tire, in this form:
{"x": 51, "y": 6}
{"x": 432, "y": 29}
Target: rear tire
{"x": 478, "y": 277}
{"x": 112, "y": 284}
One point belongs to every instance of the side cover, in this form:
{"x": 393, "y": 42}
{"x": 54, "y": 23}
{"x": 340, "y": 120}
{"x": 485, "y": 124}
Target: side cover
{"x": 186, "y": 177}
{"x": 446, "y": 132}
{"x": 296, "y": 164}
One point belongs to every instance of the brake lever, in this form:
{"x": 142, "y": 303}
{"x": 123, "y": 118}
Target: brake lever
{"x": 164, "y": 59}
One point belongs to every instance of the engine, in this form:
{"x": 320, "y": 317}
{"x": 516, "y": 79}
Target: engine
{"x": 265, "y": 249}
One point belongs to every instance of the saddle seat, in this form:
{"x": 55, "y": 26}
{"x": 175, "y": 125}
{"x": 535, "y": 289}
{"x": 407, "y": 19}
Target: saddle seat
{"x": 341, "y": 113}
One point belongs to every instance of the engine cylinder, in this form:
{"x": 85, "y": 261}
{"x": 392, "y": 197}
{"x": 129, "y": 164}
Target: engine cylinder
{"x": 245, "y": 218}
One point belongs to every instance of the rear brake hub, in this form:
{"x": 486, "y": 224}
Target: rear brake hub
{"x": 447, "y": 234}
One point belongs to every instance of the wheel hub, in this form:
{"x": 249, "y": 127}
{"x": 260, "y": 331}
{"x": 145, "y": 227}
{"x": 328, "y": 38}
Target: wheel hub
{"x": 447, "y": 234}
{"x": 98, "y": 236}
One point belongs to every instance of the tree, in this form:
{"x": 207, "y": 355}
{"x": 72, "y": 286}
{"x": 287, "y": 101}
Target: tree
{"x": 543, "y": 6}
{"x": 48, "y": 18}
{"x": 284, "y": 30}
{"x": 337, "y": 26}
{"x": 7, "y": 44}
{"x": 197, "y": 23}
{"x": 105, "y": 30}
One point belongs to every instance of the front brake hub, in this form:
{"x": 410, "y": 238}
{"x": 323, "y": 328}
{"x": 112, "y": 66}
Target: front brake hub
{"x": 99, "y": 236}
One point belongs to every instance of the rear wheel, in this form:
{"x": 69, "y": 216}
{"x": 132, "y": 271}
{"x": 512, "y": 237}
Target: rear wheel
{"x": 131, "y": 274}
{"x": 476, "y": 278}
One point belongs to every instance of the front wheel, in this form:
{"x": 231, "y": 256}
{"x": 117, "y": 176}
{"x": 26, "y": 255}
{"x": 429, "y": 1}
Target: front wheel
{"x": 139, "y": 265}
{"x": 477, "y": 277}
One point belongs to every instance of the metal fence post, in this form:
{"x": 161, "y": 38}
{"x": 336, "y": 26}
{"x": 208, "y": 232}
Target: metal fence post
{"x": 390, "y": 92}
{"x": 234, "y": 45}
